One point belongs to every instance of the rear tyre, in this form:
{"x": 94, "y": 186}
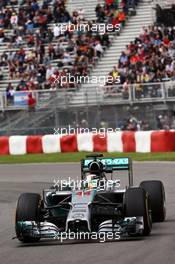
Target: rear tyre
{"x": 137, "y": 203}
{"x": 28, "y": 209}
{"x": 157, "y": 194}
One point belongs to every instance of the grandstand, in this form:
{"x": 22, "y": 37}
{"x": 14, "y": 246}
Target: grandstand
{"x": 36, "y": 54}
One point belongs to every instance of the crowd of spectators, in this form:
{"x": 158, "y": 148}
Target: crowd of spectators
{"x": 35, "y": 44}
{"x": 134, "y": 124}
{"x": 130, "y": 123}
{"x": 26, "y": 30}
{"x": 150, "y": 58}
{"x": 115, "y": 11}
{"x": 164, "y": 121}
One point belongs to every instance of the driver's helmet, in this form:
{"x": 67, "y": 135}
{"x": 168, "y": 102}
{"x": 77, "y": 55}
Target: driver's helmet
{"x": 96, "y": 168}
{"x": 91, "y": 181}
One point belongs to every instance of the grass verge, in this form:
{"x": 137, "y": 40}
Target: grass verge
{"x": 76, "y": 157}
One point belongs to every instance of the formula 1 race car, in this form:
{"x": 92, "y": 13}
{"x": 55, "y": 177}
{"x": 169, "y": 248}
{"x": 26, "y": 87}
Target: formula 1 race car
{"x": 97, "y": 205}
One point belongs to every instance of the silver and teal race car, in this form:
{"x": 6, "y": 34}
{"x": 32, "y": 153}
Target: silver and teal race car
{"x": 95, "y": 207}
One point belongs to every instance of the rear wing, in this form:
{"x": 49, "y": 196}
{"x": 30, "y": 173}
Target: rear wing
{"x": 110, "y": 165}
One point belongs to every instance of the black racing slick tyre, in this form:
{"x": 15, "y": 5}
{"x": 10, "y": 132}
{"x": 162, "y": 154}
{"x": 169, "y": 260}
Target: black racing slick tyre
{"x": 137, "y": 203}
{"x": 28, "y": 209}
{"x": 157, "y": 194}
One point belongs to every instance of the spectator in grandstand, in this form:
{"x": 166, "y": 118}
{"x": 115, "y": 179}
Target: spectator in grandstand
{"x": 132, "y": 3}
{"x": 3, "y": 59}
{"x": 67, "y": 58}
{"x": 113, "y": 12}
{"x": 56, "y": 31}
{"x": 121, "y": 18}
{"x": 163, "y": 122}
{"x": 2, "y": 36}
{"x": 105, "y": 40}
{"x": 18, "y": 41}
{"x": 99, "y": 49}
{"x": 138, "y": 90}
{"x": 13, "y": 2}
{"x": 81, "y": 14}
{"x": 150, "y": 58}
{"x": 125, "y": 89}
{"x": 1, "y": 73}
{"x": 10, "y": 93}
{"x": 100, "y": 13}
{"x": 28, "y": 24}
{"x": 31, "y": 103}
{"x": 104, "y": 124}
{"x": 84, "y": 124}
{"x": 22, "y": 86}
{"x": 14, "y": 20}
{"x": 113, "y": 77}
{"x": 134, "y": 124}
{"x": 60, "y": 14}
{"x": 49, "y": 72}
{"x": 41, "y": 75}
{"x": 123, "y": 59}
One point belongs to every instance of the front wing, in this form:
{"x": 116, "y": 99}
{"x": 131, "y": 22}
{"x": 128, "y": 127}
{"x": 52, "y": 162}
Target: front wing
{"x": 130, "y": 226}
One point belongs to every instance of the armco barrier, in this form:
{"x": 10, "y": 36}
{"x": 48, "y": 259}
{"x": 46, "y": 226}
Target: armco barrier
{"x": 121, "y": 141}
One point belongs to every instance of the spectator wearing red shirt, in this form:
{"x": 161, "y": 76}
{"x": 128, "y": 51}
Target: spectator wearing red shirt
{"x": 31, "y": 103}
{"x": 115, "y": 21}
{"x": 166, "y": 41}
{"x": 109, "y": 2}
{"x": 134, "y": 59}
{"x": 122, "y": 18}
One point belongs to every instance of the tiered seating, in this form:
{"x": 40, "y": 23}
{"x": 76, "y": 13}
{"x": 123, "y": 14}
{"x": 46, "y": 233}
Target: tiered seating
{"x": 150, "y": 58}
{"x": 35, "y": 54}
{"x": 32, "y": 47}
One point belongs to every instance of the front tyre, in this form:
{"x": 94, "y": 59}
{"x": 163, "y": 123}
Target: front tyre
{"x": 28, "y": 209}
{"x": 137, "y": 203}
{"x": 157, "y": 194}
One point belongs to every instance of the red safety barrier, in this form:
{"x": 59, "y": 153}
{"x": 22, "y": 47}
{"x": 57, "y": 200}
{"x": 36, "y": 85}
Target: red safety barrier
{"x": 162, "y": 141}
{"x": 68, "y": 143}
{"x": 4, "y": 145}
{"x": 126, "y": 141}
{"x": 34, "y": 144}
{"x": 100, "y": 143}
{"x": 129, "y": 143}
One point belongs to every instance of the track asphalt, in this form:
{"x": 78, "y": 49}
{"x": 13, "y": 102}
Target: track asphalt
{"x": 158, "y": 248}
